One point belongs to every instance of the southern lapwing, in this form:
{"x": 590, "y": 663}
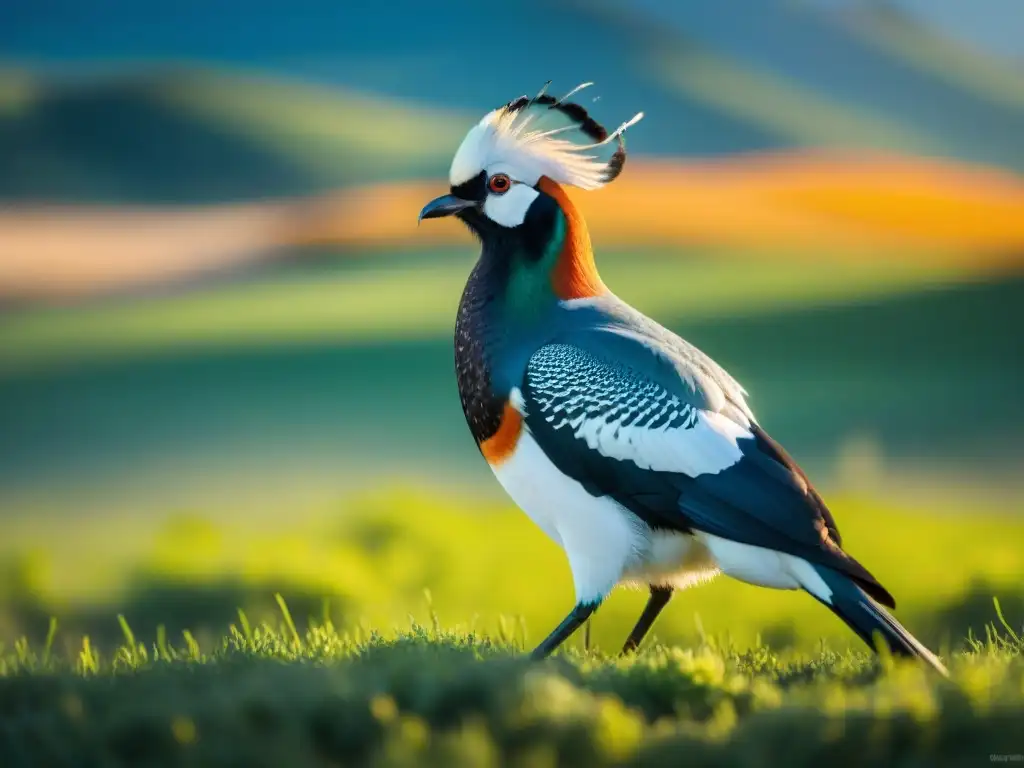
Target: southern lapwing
{"x": 625, "y": 444}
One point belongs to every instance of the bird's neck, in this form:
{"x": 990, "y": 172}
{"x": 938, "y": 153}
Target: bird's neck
{"x": 513, "y": 298}
{"x": 527, "y": 272}
{"x": 573, "y": 273}
{"x": 523, "y": 275}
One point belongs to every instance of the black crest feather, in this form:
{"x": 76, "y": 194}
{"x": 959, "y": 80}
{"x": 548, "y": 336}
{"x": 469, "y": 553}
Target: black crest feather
{"x": 583, "y": 121}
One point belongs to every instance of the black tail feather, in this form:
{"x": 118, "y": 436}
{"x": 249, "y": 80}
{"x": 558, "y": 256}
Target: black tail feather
{"x": 870, "y": 620}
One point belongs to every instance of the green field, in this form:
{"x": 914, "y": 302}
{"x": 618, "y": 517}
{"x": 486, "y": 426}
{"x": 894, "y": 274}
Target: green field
{"x": 374, "y": 297}
{"x": 304, "y": 378}
{"x": 368, "y": 561}
{"x": 272, "y": 695}
{"x": 397, "y": 639}
{"x": 388, "y": 629}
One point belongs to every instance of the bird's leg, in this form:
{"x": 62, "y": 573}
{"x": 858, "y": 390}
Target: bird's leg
{"x": 659, "y": 599}
{"x": 570, "y": 624}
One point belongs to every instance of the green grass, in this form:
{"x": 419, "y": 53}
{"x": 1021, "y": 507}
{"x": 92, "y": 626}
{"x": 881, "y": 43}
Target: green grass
{"x": 313, "y": 642}
{"x": 367, "y": 562}
{"x": 273, "y": 695}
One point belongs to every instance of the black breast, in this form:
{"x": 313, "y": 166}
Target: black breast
{"x": 482, "y": 407}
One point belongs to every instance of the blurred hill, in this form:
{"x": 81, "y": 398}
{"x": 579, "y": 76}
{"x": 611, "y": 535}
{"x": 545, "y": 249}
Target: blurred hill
{"x": 193, "y": 137}
{"x": 96, "y": 110}
{"x": 199, "y": 136}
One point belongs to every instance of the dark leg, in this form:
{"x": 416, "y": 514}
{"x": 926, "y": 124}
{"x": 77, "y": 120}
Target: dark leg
{"x": 659, "y": 599}
{"x": 570, "y": 624}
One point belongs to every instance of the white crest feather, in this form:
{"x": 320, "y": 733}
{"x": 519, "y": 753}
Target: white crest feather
{"x": 530, "y": 138}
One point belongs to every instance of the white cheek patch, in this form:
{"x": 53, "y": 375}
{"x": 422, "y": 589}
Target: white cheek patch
{"x": 509, "y": 210}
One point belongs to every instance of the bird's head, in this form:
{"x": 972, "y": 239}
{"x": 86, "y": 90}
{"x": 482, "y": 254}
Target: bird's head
{"x": 507, "y": 175}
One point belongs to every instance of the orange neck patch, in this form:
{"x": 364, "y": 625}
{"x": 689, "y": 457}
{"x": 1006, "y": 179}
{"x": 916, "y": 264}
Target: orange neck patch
{"x": 500, "y": 446}
{"x": 575, "y": 275}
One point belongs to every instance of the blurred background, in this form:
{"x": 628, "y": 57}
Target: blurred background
{"x": 225, "y": 346}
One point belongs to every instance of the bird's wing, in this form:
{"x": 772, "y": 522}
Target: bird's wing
{"x": 626, "y": 422}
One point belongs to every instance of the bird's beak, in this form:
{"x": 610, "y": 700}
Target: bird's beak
{"x": 445, "y": 205}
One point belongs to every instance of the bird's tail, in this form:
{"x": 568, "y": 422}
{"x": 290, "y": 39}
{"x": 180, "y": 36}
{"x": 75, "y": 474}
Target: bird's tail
{"x": 869, "y": 619}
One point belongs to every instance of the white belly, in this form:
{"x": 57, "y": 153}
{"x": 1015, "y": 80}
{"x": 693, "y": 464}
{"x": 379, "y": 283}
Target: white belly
{"x": 605, "y": 543}
{"x": 672, "y": 559}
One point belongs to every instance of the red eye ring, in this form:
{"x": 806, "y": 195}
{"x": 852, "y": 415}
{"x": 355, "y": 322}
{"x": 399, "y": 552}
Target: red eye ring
{"x": 499, "y": 183}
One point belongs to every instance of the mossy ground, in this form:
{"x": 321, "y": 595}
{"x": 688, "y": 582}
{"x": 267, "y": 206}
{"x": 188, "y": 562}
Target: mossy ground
{"x": 274, "y": 696}
{"x": 359, "y": 666}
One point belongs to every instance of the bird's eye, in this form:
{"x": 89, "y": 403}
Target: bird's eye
{"x": 499, "y": 183}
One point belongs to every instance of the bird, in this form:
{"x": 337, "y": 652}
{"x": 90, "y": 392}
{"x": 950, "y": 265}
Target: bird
{"x": 629, "y": 447}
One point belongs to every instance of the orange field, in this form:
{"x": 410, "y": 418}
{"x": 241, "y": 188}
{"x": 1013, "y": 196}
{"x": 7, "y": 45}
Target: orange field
{"x": 845, "y": 205}
{"x": 924, "y": 208}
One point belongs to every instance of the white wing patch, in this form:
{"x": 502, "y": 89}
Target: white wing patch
{"x": 627, "y": 417}
{"x": 708, "y": 448}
